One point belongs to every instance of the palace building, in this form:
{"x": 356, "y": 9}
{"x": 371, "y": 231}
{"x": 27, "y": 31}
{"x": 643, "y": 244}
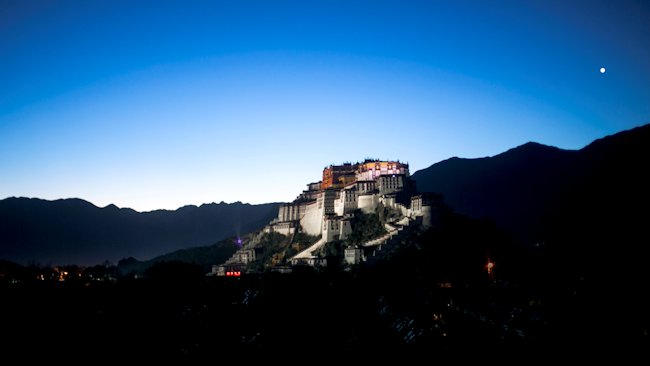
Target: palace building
{"x": 325, "y": 208}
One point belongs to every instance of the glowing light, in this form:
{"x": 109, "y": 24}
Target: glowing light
{"x": 489, "y": 266}
{"x": 238, "y": 242}
{"x": 602, "y": 70}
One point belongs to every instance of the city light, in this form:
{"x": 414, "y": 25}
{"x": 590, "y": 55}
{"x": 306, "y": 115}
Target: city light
{"x": 489, "y": 267}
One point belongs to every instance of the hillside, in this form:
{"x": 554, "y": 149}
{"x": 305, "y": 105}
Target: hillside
{"x": 578, "y": 214}
{"x": 76, "y": 231}
{"x": 203, "y": 256}
{"x": 533, "y": 189}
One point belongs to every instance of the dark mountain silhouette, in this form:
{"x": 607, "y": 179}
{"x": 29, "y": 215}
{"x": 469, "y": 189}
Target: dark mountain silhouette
{"x": 515, "y": 188}
{"x": 537, "y": 192}
{"x": 579, "y": 216}
{"x": 75, "y": 231}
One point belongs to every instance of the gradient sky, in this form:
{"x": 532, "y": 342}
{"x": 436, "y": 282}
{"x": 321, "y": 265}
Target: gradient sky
{"x": 154, "y": 104}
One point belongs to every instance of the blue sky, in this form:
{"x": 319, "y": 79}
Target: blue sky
{"x": 154, "y": 104}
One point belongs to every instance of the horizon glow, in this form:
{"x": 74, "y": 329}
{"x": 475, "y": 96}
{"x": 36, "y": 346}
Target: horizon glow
{"x": 157, "y": 105}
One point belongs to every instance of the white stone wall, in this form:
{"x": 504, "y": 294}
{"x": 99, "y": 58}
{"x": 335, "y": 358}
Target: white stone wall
{"x": 419, "y": 208}
{"x": 291, "y": 211}
{"x": 284, "y": 228}
{"x": 339, "y": 205}
{"x": 346, "y": 201}
{"x": 331, "y": 229}
{"x": 312, "y": 220}
{"x": 353, "y": 255}
{"x": 345, "y": 229}
{"x": 426, "y": 216}
{"x": 368, "y": 203}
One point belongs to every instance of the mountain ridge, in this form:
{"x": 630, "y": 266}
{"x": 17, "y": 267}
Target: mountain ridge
{"x": 114, "y": 206}
{"x": 524, "y": 189}
{"x": 76, "y": 231}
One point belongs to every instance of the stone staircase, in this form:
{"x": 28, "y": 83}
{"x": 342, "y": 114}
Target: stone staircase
{"x": 382, "y": 250}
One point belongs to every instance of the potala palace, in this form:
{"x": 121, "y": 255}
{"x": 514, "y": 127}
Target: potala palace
{"x": 327, "y": 208}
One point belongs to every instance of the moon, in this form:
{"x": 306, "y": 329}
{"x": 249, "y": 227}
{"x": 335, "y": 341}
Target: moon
{"x": 602, "y": 70}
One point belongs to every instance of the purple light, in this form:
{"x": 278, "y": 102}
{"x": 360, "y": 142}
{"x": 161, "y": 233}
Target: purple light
{"x": 238, "y": 242}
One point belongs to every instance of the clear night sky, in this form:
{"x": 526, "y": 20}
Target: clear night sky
{"x": 160, "y": 104}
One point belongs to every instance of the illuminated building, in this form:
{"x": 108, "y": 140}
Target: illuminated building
{"x": 325, "y": 210}
{"x": 371, "y": 170}
{"x": 338, "y": 176}
{"x": 333, "y": 173}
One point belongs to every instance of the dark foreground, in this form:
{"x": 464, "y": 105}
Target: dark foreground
{"x": 314, "y": 315}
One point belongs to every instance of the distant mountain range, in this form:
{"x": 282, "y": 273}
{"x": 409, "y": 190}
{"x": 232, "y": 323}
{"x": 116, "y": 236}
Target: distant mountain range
{"x": 74, "y": 231}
